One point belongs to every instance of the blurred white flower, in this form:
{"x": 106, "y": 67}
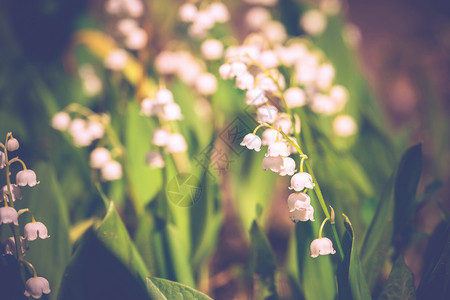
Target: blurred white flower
{"x": 125, "y": 26}
{"x": 2, "y": 160}
{"x": 95, "y": 129}
{"x": 171, "y": 111}
{"x": 256, "y": 17}
{"x": 99, "y": 157}
{"x": 160, "y": 137}
{"x": 255, "y": 97}
{"x": 313, "y": 22}
{"x": 34, "y": 229}
{"x": 269, "y": 136}
{"x": 245, "y": 81}
{"x": 322, "y": 246}
{"x": 323, "y": 104}
{"x": 8, "y": 215}
{"x": 61, "y": 121}
{"x": 274, "y": 31}
{"x": 344, "y": 126}
{"x": 10, "y": 245}
{"x": 154, "y": 159}
{"x": 295, "y": 97}
{"x": 268, "y": 59}
{"x": 36, "y": 286}
{"x": 283, "y": 124}
{"x": 112, "y": 170}
{"x": 212, "y": 49}
{"x": 325, "y": 76}
{"x": 225, "y": 71}
{"x": 187, "y": 12}
{"x": 339, "y": 95}
{"x": 116, "y": 59}
{"x": 266, "y": 114}
{"x": 206, "y": 84}
{"x": 300, "y": 181}
{"x": 26, "y": 177}
{"x": 136, "y": 39}
{"x": 252, "y": 141}
{"x": 176, "y": 143}
{"x": 219, "y": 12}
{"x": 164, "y": 96}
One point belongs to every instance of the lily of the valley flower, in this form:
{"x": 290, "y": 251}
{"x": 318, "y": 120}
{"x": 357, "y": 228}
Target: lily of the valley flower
{"x": 36, "y": 286}
{"x": 322, "y": 246}
{"x": 154, "y": 159}
{"x": 2, "y": 160}
{"x": 12, "y": 144}
{"x": 288, "y": 167}
{"x": 26, "y": 177}
{"x": 112, "y": 170}
{"x": 274, "y": 163}
{"x": 302, "y": 215}
{"x": 99, "y": 157}
{"x": 15, "y": 192}
{"x": 10, "y": 246}
{"x": 298, "y": 201}
{"x": 8, "y": 215}
{"x": 252, "y": 142}
{"x": 278, "y": 149}
{"x": 300, "y": 181}
{"x": 34, "y": 229}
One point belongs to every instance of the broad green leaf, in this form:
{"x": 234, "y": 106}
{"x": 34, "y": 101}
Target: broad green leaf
{"x": 351, "y": 280}
{"x": 162, "y": 289}
{"x": 144, "y": 182}
{"x": 400, "y": 284}
{"x": 435, "y": 282}
{"x": 47, "y": 203}
{"x": 106, "y": 264}
{"x": 406, "y": 182}
{"x": 262, "y": 262}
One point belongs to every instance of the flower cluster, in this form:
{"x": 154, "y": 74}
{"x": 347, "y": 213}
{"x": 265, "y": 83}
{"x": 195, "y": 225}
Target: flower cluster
{"x": 278, "y": 77}
{"x": 84, "y": 131}
{"x": 16, "y": 244}
{"x": 202, "y": 20}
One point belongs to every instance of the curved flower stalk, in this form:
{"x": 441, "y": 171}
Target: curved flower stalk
{"x": 15, "y": 245}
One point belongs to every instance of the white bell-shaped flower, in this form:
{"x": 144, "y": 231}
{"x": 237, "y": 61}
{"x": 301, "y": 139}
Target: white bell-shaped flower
{"x": 149, "y": 107}
{"x": 295, "y": 97}
{"x": 95, "y": 129}
{"x": 255, "y": 97}
{"x": 164, "y": 96}
{"x": 136, "y": 39}
{"x": 219, "y": 12}
{"x": 300, "y": 181}
{"x": 274, "y": 163}
{"x": 288, "y": 167}
{"x": 36, "y": 286}
{"x": 322, "y": 246}
{"x": 238, "y": 68}
{"x": 12, "y": 144}
{"x": 2, "y": 160}
{"x": 15, "y": 192}
{"x": 176, "y": 143}
{"x": 323, "y": 104}
{"x": 160, "y": 137}
{"x": 154, "y": 159}
{"x": 344, "y": 126}
{"x": 266, "y": 114}
{"x": 252, "y": 142}
{"x": 112, "y": 170}
{"x": 256, "y": 17}
{"x": 10, "y": 245}
{"x": 291, "y": 148}
{"x": 298, "y": 201}
{"x": 268, "y": 59}
{"x": 8, "y": 215}
{"x": 313, "y": 22}
{"x": 245, "y": 81}
{"x": 61, "y": 121}
{"x": 225, "y": 71}
{"x": 269, "y": 136}
{"x": 26, "y": 177}
{"x": 99, "y": 157}
{"x": 34, "y": 229}
{"x": 302, "y": 215}
{"x": 116, "y": 59}
{"x": 277, "y": 149}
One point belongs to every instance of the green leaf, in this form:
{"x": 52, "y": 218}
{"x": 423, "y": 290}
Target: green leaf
{"x": 144, "y": 181}
{"x": 105, "y": 264}
{"x": 47, "y": 203}
{"x": 435, "y": 282}
{"x": 262, "y": 262}
{"x": 162, "y": 289}
{"x": 406, "y": 182}
{"x": 351, "y": 280}
{"x": 400, "y": 284}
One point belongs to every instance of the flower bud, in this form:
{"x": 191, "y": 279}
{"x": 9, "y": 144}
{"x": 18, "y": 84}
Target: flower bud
{"x": 61, "y": 121}
{"x": 99, "y": 157}
{"x": 12, "y": 144}
{"x": 116, "y": 59}
{"x": 154, "y": 159}
{"x": 212, "y": 49}
{"x": 344, "y": 126}
{"x": 112, "y": 170}
{"x": 176, "y": 143}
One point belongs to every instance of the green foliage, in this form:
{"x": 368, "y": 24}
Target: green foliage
{"x": 351, "y": 280}
{"x": 162, "y": 289}
{"x": 400, "y": 284}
